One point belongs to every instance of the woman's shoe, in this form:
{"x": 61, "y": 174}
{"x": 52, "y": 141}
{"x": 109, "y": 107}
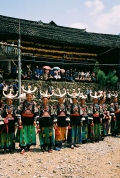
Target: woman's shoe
{"x": 22, "y": 151}
{"x": 72, "y": 146}
{"x": 49, "y": 151}
{"x": 57, "y": 148}
{"x": 4, "y": 152}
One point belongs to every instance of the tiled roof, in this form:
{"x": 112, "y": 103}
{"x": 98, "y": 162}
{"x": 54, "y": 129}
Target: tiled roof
{"x": 53, "y": 32}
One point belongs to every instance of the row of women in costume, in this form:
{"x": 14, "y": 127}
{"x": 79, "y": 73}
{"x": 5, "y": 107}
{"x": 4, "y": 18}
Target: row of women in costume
{"x": 75, "y": 123}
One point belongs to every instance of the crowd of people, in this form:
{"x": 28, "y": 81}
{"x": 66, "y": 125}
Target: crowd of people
{"x": 75, "y": 122}
{"x": 58, "y": 74}
{"x": 47, "y": 73}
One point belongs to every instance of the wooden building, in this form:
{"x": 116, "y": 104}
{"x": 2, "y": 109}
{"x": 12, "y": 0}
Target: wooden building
{"x": 54, "y": 45}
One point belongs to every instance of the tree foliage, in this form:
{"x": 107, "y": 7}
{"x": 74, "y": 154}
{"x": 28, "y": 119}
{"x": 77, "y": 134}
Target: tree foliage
{"x": 110, "y": 79}
{"x": 101, "y": 77}
{"x": 114, "y": 80}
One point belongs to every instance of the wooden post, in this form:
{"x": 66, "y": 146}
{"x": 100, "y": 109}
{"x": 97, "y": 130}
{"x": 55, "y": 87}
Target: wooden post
{"x": 9, "y": 66}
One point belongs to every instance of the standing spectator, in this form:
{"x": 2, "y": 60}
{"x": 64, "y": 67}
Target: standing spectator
{"x": 1, "y": 88}
{"x": 14, "y": 69}
{"x": 5, "y": 88}
{"x": 50, "y": 88}
{"x": 88, "y": 94}
{"x": 39, "y": 91}
{"x": 108, "y": 97}
{"x": 15, "y": 87}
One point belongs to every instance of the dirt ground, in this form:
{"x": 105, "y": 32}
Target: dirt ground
{"x": 98, "y": 160}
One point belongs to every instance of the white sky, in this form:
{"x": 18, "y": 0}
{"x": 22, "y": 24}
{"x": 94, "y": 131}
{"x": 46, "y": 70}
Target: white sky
{"x": 100, "y": 16}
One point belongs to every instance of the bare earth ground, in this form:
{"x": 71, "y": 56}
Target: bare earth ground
{"x": 98, "y": 160}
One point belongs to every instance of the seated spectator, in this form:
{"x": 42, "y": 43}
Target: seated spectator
{"x": 37, "y": 76}
{"x": 37, "y": 73}
{"x": 52, "y": 73}
{"x": 24, "y": 75}
{"x": 45, "y": 76}
{"x": 79, "y": 74}
{"x": 93, "y": 77}
{"x": 88, "y": 74}
{"x": 67, "y": 75}
{"x": 29, "y": 75}
{"x": 71, "y": 79}
{"x": 75, "y": 74}
{"x": 40, "y": 72}
{"x": 82, "y": 74}
{"x": 57, "y": 75}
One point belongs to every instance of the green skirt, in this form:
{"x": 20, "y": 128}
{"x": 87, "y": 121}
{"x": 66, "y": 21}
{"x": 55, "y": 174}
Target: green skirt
{"x": 7, "y": 141}
{"x": 85, "y": 132}
{"x": 75, "y": 135}
{"x": 97, "y": 130}
{"x": 46, "y": 136}
{"x": 26, "y": 136}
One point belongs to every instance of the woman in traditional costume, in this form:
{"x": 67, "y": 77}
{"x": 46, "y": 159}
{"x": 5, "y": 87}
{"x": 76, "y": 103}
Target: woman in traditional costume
{"x": 105, "y": 116}
{"x": 45, "y": 125}
{"x": 96, "y": 117}
{"x": 27, "y": 115}
{"x": 75, "y": 133}
{"x": 7, "y": 131}
{"x": 61, "y": 113}
{"x": 115, "y": 120}
{"x": 117, "y": 114}
{"x": 84, "y": 117}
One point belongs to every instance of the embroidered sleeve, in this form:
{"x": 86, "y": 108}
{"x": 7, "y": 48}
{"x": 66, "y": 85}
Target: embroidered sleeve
{"x": 36, "y": 112}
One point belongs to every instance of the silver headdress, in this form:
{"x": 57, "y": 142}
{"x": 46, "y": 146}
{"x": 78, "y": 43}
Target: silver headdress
{"x": 29, "y": 91}
{"x": 83, "y": 96}
{"x": 10, "y": 95}
{"x": 74, "y": 94}
{"x": 45, "y": 95}
{"x": 60, "y": 95}
{"x": 95, "y": 96}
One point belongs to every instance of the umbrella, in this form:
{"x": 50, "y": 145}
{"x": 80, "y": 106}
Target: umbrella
{"x": 62, "y": 70}
{"x": 47, "y": 67}
{"x": 56, "y": 68}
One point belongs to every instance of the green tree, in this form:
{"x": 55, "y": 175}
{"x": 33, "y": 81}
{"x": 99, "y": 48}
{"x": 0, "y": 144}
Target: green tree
{"x": 108, "y": 77}
{"x": 101, "y": 77}
{"x": 114, "y": 80}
